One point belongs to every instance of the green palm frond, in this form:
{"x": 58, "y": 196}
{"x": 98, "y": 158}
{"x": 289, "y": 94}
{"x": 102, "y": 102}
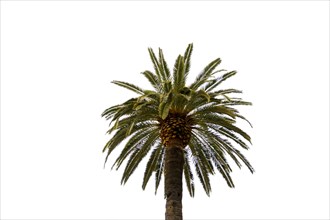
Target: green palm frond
{"x": 202, "y": 164}
{"x": 165, "y": 105}
{"x": 208, "y": 110}
{"x": 199, "y": 150}
{"x": 152, "y": 164}
{"x": 164, "y": 68}
{"x": 121, "y": 135}
{"x": 214, "y": 83}
{"x": 205, "y": 75}
{"x": 132, "y": 144}
{"x": 179, "y": 102}
{"x": 212, "y": 108}
{"x": 129, "y": 86}
{"x": 202, "y": 175}
{"x": 242, "y": 117}
{"x": 110, "y": 112}
{"x": 224, "y": 122}
{"x": 179, "y": 73}
{"x": 159, "y": 170}
{"x": 189, "y": 177}
{"x": 140, "y": 152}
{"x": 121, "y": 110}
{"x": 231, "y": 136}
{"x": 142, "y": 115}
{"x": 152, "y": 78}
{"x": 196, "y": 100}
{"x": 228, "y": 148}
{"x": 217, "y": 155}
{"x": 236, "y": 102}
{"x": 222, "y": 169}
{"x": 225, "y": 91}
{"x": 186, "y": 58}
{"x": 154, "y": 60}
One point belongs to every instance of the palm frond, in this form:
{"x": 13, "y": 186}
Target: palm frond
{"x": 164, "y": 68}
{"x": 219, "y": 80}
{"x": 159, "y": 169}
{"x": 134, "y": 142}
{"x": 129, "y": 86}
{"x": 213, "y": 81}
{"x": 225, "y": 122}
{"x": 200, "y": 149}
{"x": 147, "y": 115}
{"x": 120, "y": 135}
{"x": 165, "y": 105}
{"x": 218, "y": 157}
{"x": 213, "y": 108}
{"x": 186, "y": 58}
{"x": 152, "y": 78}
{"x": 178, "y": 74}
{"x": 222, "y": 169}
{"x": 202, "y": 175}
{"x": 189, "y": 177}
{"x": 227, "y": 146}
{"x": 236, "y": 102}
{"x": 242, "y": 117}
{"x": 152, "y": 164}
{"x": 205, "y": 74}
{"x": 179, "y": 102}
{"x": 225, "y": 91}
{"x": 156, "y": 65}
{"x": 110, "y": 112}
{"x": 197, "y": 99}
{"x": 214, "y": 147}
{"x": 231, "y": 136}
{"x": 124, "y": 111}
{"x": 202, "y": 165}
{"x": 139, "y": 154}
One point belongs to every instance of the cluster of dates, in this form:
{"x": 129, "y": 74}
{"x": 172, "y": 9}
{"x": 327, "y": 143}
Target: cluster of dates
{"x": 175, "y": 126}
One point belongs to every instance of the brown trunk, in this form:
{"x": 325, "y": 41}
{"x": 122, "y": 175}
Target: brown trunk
{"x": 173, "y": 181}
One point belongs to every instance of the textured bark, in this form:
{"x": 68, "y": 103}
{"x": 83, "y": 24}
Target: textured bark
{"x": 174, "y": 161}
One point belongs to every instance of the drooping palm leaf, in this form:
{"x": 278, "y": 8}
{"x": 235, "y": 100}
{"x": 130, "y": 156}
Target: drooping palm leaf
{"x": 159, "y": 170}
{"x": 146, "y": 143}
{"x": 152, "y": 164}
{"x": 189, "y": 177}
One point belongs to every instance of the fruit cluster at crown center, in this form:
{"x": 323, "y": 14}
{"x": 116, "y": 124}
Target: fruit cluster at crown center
{"x": 175, "y": 126}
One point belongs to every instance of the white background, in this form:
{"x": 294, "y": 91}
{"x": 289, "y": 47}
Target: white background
{"x": 57, "y": 61}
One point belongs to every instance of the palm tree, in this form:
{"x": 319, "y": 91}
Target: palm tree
{"x": 186, "y": 128}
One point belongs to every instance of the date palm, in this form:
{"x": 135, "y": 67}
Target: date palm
{"x": 185, "y": 128}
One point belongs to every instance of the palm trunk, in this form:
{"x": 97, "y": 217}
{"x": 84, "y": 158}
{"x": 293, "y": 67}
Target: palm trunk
{"x": 173, "y": 181}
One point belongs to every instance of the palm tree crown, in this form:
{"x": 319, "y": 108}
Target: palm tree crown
{"x": 200, "y": 117}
